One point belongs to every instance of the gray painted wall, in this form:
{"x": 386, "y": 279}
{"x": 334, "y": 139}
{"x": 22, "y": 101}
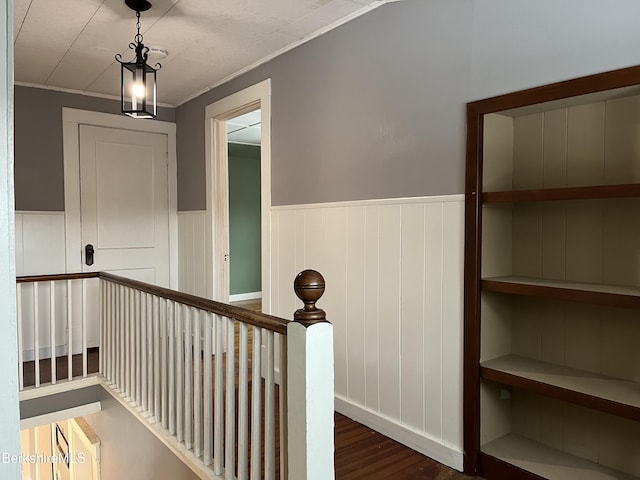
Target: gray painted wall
{"x": 525, "y": 43}
{"x": 375, "y": 108}
{"x": 38, "y": 143}
{"x": 372, "y": 109}
{"x": 128, "y": 450}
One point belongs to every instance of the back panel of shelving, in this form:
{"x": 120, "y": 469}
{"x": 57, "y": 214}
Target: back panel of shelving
{"x": 592, "y": 144}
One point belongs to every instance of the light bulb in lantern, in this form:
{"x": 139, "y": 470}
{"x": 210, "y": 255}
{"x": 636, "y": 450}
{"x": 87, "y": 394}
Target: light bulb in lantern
{"x": 138, "y": 90}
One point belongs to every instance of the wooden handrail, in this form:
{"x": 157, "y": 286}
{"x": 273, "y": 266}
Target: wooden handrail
{"x": 55, "y": 277}
{"x": 306, "y": 283}
{"x": 260, "y": 320}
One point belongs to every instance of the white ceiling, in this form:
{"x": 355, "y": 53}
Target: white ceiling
{"x": 245, "y": 128}
{"x": 70, "y": 44}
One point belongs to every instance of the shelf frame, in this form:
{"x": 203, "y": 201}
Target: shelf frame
{"x": 600, "y": 404}
{"x": 558, "y": 292}
{"x": 493, "y": 467}
{"x": 630, "y": 190}
{"x": 476, "y": 111}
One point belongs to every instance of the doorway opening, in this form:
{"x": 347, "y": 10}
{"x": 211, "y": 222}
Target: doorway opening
{"x": 244, "y": 145}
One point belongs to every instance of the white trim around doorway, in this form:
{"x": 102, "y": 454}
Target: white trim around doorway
{"x": 217, "y": 233}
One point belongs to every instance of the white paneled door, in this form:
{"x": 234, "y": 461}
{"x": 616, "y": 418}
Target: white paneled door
{"x": 124, "y": 203}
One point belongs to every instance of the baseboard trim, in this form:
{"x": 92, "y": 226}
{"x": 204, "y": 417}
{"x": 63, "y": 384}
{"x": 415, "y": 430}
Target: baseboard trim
{"x": 430, "y": 447}
{"x": 239, "y": 297}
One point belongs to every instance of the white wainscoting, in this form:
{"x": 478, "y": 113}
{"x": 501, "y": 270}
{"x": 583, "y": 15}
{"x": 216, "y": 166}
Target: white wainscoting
{"x": 191, "y": 253}
{"x": 40, "y": 244}
{"x": 394, "y": 274}
{"x": 40, "y": 249}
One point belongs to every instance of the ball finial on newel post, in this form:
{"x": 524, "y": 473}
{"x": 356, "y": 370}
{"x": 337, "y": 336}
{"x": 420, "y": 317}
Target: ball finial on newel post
{"x": 309, "y": 287}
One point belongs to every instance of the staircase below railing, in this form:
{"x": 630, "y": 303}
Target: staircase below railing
{"x": 232, "y": 387}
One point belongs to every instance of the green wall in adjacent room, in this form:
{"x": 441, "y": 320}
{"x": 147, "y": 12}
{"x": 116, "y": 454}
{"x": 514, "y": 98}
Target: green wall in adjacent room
{"x": 244, "y": 218}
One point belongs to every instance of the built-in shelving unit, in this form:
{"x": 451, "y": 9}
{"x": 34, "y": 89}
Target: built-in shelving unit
{"x": 552, "y": 282}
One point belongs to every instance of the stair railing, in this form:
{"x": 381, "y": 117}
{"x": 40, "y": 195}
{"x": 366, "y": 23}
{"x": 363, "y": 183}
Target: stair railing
{"x": 247, "y": 394}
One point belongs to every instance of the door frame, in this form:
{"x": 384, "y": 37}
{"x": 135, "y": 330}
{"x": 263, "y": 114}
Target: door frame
{"x": 71, "y": 120}
{"x": 217, "y": 178}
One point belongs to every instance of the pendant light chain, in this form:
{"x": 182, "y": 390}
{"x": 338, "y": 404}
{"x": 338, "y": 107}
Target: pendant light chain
{"x": 138, "y": 35}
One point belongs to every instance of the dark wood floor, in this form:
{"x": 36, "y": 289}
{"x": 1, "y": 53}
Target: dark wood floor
{"x": 361, "y": 453}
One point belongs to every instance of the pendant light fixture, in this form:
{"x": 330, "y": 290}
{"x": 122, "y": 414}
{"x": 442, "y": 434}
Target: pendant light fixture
{"x": 137, "y": 78}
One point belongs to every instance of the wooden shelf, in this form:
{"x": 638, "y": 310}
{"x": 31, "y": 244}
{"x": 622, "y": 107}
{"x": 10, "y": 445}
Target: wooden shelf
{"x": 547, "y": 462}
{"x": 612, "y": 295}
{"x": 571, "y": 193}
{"x": 591, "y": 390}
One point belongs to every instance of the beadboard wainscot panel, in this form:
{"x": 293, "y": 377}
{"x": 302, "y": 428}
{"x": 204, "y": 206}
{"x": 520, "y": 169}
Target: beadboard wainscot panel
{"x": 191, "y": 250}
{"x": 40, "y": 244}
{"x": 40, "y": 249}
{"x": 394, "y": 278}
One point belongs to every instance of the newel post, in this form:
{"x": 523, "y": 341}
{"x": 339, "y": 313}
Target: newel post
{"x": 310, "y": 385}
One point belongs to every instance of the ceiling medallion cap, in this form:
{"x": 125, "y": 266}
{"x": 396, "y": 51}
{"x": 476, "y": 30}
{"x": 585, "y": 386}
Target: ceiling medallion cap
{"x": 138, "y": 5}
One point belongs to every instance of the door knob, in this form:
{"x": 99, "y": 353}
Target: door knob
{"x": 88, "y": 254}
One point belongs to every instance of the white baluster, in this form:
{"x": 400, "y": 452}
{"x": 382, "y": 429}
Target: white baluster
{"x": 103, "y": 327}
{"x": 270, "y": 409}
{"x": 138, "y": 319}
{"x": 230, "y": 418}
{"x": 180, "y": 353}
{"x": 36, "y": 332}
{"x": 84, "y": 327}
{"x": 113, "y": 309}
{"x": 172, "y": 367}
{"x": 256, "y": 405}
{"x": 69, "y": 330}
{"x": 188, "y": 380}
{"x": 157, "y": 407}
{"x": 144, "y": 323}
{"x": 126, "y": 346}
{"x": 133, "y": 380}
{"x": 121, "y": 334}
{"x": 162, "y": 304}
{"x": 243, "y": 404}
{"x": 52, "y": 328}
{"x": 208, "y": 393}
{"x": 218, "y": 403}
{"x": 20, "y": 341}
{"x": 197, "y": 384}
{"x": 105, "y": 350}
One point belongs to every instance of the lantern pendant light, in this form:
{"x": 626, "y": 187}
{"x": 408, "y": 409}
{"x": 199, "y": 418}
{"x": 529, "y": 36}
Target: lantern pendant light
{"x": 137, "y": 78}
